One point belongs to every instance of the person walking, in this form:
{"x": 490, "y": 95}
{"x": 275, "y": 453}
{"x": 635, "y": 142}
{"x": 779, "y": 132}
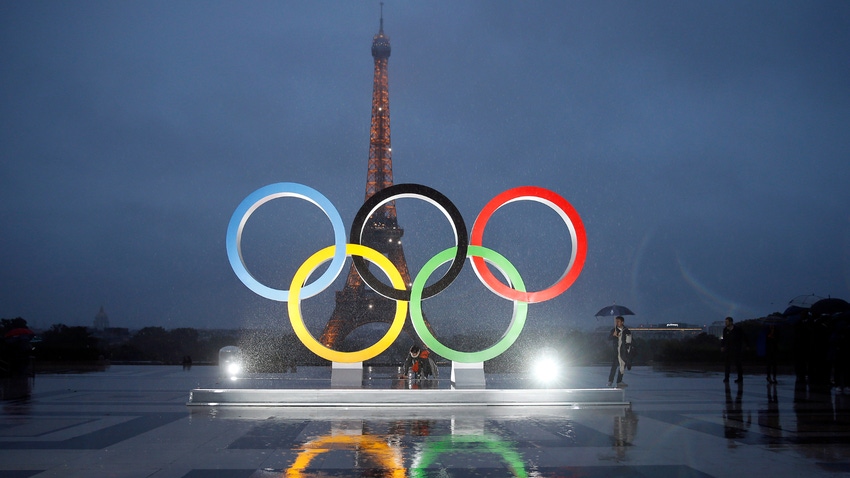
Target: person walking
{"x": 621, "y": 339}
{"x": 732, "y": 346}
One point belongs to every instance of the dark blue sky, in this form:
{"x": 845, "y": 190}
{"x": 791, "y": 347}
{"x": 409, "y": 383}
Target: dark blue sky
{"x": 705, "y": 145}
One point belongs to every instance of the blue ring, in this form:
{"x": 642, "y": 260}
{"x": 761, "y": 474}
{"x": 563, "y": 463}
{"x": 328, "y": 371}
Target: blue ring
{"x": 257, "y": 199}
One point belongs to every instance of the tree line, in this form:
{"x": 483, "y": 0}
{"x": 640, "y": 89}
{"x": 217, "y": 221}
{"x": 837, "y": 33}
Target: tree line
{"x": 274, "y": 351}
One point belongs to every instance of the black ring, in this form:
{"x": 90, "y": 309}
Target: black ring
{"x": 387, "y": 194}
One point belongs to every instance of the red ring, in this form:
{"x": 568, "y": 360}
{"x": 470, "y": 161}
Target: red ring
{"x": 571, "y": 219}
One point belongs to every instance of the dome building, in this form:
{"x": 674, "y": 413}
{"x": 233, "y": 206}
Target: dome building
{"x": 101, "y": 320}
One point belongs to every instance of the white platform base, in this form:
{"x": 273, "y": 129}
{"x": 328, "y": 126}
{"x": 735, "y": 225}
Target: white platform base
{"x": 346, "y": 375}
{"x": 468, "y": 375}
{"x": 405, "y": 397}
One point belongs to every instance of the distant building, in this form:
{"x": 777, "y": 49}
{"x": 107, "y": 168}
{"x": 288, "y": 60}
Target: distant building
{"x": 107, "y": 334}
{"x": 666, "y": 331}
{"x": 716, "y": 328}
{"x": 661, "y": 331}
{"x": 101, "y": 320}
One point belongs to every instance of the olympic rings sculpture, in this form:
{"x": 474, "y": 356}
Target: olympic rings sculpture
{"x": 465, "y": 247}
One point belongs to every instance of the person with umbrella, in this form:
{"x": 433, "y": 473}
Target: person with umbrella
{"x": 621, "y": 340}
{"x": 15, "y": 348}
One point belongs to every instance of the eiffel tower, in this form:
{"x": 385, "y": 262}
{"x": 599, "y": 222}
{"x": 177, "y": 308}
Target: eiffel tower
{"x": 356, "y": 303}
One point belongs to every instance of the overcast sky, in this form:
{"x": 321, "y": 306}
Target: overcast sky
{"x": 705, "y": 145}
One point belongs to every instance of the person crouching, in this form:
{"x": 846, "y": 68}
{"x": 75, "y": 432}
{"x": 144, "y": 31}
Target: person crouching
{"x": 418, "y": 364}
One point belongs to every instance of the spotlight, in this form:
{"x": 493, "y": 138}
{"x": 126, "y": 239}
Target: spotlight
{"x": 230, "y": 361}
{"x": 233, "y": 369}
{"x": 547, "y": 367}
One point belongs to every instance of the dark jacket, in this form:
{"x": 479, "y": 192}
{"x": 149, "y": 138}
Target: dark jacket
{"x": 732, "y": 340}
{"x": 615, "y": 341}
{"x": 422, "y": 365}
{"x": 625, "y": 348}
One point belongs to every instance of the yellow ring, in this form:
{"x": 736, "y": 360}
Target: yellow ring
{"x": 389, "y": 456}
{"x": 294, "y": 304}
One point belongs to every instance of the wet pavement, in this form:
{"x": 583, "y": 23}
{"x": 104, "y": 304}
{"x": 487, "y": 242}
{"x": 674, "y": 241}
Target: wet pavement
{"x": 133, "y": 421}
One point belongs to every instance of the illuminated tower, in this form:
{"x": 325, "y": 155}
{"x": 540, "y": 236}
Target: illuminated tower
{"x": 356, "y": 304}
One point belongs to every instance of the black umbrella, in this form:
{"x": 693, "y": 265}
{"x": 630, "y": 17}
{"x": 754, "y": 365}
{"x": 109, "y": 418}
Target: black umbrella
{"x": 829, "y": 306}
{"x": 804, "y": 301}
{"x": 613, "y": 311}
{"x": 794, "y": 311}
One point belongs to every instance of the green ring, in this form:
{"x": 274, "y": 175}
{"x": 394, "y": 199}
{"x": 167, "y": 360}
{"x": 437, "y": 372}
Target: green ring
{"x": 517, "y": 321}
{"x": 468, "y": 444}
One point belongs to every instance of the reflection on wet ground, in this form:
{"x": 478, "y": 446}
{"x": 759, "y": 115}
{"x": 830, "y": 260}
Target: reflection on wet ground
{"x": 460, "y": 442}
{"x": 133, "y": 421}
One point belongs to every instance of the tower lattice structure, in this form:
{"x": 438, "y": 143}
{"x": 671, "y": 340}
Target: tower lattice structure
{"x": 357, "y": 304}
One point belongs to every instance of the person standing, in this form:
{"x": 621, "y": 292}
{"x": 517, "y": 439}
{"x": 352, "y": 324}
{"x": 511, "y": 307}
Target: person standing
{"x": 621, "y": 339}
{"x": 771, "y": 349}
{"x": 732, "y": 346}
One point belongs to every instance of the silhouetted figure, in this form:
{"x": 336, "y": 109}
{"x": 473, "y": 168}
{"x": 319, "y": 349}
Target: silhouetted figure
{"x": 16, "y": 366}
{"x": 841, "y": 354}
{"x": 771, "y": 350}
{"x": 820, "y": 361}
{"x": 842, "y": 412}
{"x": 16, "y": 348}
{"x": 187, "y": 362}
{"x": 621, "y": 341}
{"x": 801, "y": 346}
{"x": 732, "y": 346}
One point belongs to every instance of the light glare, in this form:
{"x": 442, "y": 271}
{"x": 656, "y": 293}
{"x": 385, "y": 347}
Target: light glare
{"x": 546, "y": 368}
{"x": 233, "y": 369}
